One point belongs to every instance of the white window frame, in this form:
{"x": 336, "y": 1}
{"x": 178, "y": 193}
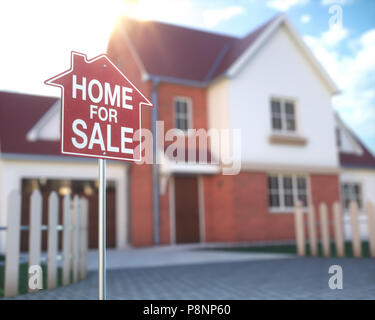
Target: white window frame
{"x": 189, "y": 116}
{"x": 351, "y": 184}
{"x": 283, "y": 101}
{"x": 282, "y": 208}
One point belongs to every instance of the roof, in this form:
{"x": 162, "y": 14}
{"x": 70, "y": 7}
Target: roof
{"x": 179, "y": 54}
{"x": 183, "y": 53}
{"x": 353, "y": 160}
{"x": 18, "y": 114}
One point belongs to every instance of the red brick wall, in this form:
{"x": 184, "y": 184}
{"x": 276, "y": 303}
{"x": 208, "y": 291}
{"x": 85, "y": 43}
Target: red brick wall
{"x": 254, "y": 222}
{"x": 141, "y": 230}
{"x": 237, "y": 207}
{"x": 219, "y": 208}
{"x": 237, "y": 210}
{"x": 165, "y": 236}
{"x": 324, "y": 188}
{"x": 141, "y": 218}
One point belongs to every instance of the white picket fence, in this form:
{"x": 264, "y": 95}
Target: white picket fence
{"x": 338, "y": 230}
{"x": 74, "y": 239}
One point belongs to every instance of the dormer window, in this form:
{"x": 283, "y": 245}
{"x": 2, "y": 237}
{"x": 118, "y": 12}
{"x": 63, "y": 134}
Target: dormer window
{"x": 283, "y": 115}
{"x": 183, "y": 113}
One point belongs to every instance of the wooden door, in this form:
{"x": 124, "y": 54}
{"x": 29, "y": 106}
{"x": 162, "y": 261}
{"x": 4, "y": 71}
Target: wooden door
{"x": 187, "y": 209}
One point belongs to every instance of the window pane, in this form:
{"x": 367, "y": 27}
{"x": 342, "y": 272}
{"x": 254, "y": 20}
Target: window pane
{"x": 288, "y": 191}
{"x": 288, "y": 200}
{"x": 338, "y": 137}
{"x": 273, "y": 200}
{"x": 182, "y": 115}
{"x": 287, "y": 183}
{"x": 301, "y": 183}
{"x": 273, "y": 191}
{"x": 183, "y": 124}
{"x": 289, "y": 108}
{"x": 303, "y": 199}
{"x": 276, "y": 123}
{"x": 183, "y": 107}
{"x": 357, "y": 189}
{"x": 290, "y": 125}
{"x": 177, "y": 107}
{"x": 273, "y": 182}
{"x": 275, "y": 107}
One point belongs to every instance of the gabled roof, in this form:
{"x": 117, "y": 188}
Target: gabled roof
{"x": 177, "y": 52}
{"x": 365, "y": 159}
{"x": 18, "y": 114}
{"x": 174, "y": 53}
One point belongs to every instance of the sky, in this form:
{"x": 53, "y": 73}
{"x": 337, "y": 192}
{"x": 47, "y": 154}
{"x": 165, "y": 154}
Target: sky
{"x": 37, "y": 36}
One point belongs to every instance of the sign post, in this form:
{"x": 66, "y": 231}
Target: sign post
{"x": 100, "y": 118}
{"x": 102, "y": 229}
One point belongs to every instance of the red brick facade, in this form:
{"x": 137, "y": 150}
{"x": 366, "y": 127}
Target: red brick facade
{"x": 235, "y": 207}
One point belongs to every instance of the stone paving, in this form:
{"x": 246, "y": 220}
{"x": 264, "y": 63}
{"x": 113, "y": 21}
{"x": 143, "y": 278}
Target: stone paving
{"x": 293, "y": 278}
{"x": 174, "y": 255}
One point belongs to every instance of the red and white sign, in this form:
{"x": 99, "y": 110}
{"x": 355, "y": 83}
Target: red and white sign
{"x": 100, "y": 110}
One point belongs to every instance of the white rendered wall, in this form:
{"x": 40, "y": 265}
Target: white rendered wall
{"x": 279, "y": 68}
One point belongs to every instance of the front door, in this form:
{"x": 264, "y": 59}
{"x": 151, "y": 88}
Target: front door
{"x": 187, "y": 209}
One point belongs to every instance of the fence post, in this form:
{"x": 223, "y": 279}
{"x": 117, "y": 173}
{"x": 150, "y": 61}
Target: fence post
{"x": 67, "y": 249}
{"x": 339, "y": 234}
{"x": 12, "y": 245}
{"x": 299, "y": 229}
{"x": 324, "y": 229}
{"x": 75, "y": 238}
{"x": 312, "y": 231}
{"x": 35, "y": 230}
{"x": 83, "y": 237}
{"x": 371, "y": 227}
{"x": 356, "y": 240}
{"x": 52, "y": 241}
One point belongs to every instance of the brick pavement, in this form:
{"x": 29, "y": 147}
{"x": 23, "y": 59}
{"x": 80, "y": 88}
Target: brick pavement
{"x": 295, "y": 278}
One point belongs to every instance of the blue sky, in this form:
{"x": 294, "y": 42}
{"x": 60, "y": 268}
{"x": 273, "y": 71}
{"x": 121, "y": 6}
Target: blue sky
{"x": 41, "y": 34}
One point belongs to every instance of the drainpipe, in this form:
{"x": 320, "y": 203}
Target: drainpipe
{"x": 155, "y": 166}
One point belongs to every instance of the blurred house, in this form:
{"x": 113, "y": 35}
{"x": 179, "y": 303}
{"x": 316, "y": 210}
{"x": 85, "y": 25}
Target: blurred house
{"x": 30, "y": 159}
{"x": 267, "y": 84}
{"x": 357, "y": 177}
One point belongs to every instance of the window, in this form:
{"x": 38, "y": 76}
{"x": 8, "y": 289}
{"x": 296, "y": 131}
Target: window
{"x": 182, "y": 111}
{"x": 338, "y": 137}
{"x": 285, "y": 190}
{"x": 351, "y": 192}
{"x": 283, "y": 115}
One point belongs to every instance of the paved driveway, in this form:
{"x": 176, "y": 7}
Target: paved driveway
{"x": 293, "y": 278}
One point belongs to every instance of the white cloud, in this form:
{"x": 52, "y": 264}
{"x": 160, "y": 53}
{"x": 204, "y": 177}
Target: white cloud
{"x": 355, "y": 76}
{"x": 285, "y": 5}
{"x": 214, "y": 17}
{"x": 306, "y": 18}
{"x": 340, "y": 2}
{"x": 334, "y": 35}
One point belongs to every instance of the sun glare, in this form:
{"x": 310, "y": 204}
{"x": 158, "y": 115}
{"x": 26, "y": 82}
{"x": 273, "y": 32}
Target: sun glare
{"x": 145, "y": 10}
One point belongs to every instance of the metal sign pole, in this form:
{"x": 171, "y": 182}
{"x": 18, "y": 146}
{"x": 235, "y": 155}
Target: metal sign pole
{"x": 102, "y": 229}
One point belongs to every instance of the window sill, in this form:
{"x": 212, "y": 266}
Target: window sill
{"x": 289, "y": 139}
{"x": 182, "y": 133}
{"x": 284, "y": 210}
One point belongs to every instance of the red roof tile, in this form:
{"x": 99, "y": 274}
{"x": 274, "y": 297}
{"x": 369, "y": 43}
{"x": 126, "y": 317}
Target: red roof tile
{"x": 18, "y": 114}
{"x": 352, "y": 160}
{"x": 189, "y": 54}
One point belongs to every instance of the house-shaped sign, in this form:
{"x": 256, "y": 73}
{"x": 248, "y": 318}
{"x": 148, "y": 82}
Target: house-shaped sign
{"x": 100, "y": 110}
